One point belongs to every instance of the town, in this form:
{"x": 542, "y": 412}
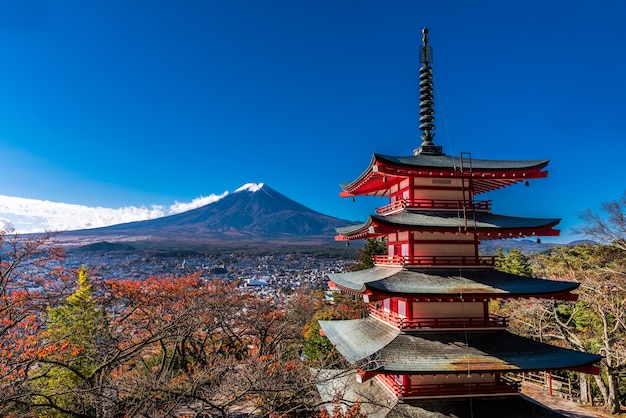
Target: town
{"x": 266, "y": 273}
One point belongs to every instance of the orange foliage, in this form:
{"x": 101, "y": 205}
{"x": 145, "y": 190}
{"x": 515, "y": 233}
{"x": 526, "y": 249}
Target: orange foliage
{"x": 353, "y": 411}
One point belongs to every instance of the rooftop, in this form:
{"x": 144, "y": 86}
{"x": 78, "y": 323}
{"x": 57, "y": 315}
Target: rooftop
{"x": 385, "y": 349}
{"x": 448, "y": 282}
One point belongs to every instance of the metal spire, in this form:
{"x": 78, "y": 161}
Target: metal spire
{"x": 427, "y": 105}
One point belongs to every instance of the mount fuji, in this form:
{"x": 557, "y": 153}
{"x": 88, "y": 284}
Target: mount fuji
{"x": 254, "y": 214}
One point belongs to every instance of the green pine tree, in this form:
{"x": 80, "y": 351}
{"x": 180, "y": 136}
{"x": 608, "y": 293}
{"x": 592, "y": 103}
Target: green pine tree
{"x": 371, "y": 248}
{"x": 72, "y": 333}
{"x": 513, "y": 262}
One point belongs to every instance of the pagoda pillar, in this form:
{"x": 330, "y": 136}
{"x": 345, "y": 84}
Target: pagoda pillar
{"x": 405, "y": 381}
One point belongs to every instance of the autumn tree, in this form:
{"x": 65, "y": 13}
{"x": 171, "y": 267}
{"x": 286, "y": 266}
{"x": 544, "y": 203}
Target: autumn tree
{"x": 24, "y": 263}
{"x": 208, "y": 348}
{"x": 597, "y": 321}
{"x": 608, "y": 225}
{"x": 317, "y": 348}
{"x": 27, "y": 266}
{"x": 158, "y": 347}
{"x": 344, "y": 411}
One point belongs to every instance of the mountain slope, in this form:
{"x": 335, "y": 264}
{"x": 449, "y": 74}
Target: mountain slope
{"x": 253, "y": 213}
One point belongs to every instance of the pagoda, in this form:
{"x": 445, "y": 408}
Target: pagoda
{"x": 429, "y": 334}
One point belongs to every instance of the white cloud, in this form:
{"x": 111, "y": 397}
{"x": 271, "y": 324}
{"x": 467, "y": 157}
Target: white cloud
{"x": 179, "y": 207}
{"x": 31, "y": 215}
{"x": 6, "y": 225}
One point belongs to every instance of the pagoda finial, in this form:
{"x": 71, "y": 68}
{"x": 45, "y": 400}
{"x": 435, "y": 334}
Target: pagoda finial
{"x": 427, "y": 105}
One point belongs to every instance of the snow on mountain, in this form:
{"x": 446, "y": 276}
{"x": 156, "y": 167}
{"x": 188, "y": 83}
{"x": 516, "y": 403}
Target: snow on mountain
{"x": 251, "y": 187}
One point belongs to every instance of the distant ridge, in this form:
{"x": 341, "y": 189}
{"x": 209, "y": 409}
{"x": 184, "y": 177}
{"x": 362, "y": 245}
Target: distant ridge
{"x": 526, "y": 246}
{"x": 107, "y": 247}
{"x": 253, "y": 214}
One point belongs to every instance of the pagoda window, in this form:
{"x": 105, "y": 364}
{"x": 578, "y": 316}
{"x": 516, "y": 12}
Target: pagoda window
{"x": 460, "y": 378}
{"x": 402, "y": 191}
{"x": 442, "y": 237}
{"x": 387, "y": 305}
{"x": 460, "y": 310}
{"x": 440, "y": 189}
{"x": 402, "y": 309}
{"x": 445, "y": 250}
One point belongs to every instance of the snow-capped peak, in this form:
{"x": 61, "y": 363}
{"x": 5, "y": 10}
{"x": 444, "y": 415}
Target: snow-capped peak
{"x": 251, "y": 187}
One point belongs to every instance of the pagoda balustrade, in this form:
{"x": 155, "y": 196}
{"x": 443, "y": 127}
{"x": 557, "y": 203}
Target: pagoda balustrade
{"x": 478, "y": 205}
{"x": 502, "y": 385}
{"x": 403, "y": 323}
{"x": 433, "y": 261}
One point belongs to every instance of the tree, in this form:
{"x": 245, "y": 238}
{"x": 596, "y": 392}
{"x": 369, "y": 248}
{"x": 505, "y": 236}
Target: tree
{"x": 597, "y": 321}
{"x": 69, "y": 354}
{"x": 158, "y": 347}
{"x": 23, "y": 265}
{"x": 371, "y": 248}
{"x": 317, "y": 348}
{"x": 28, "y": 272}
{"x": 513, "y": 262}
{"x": 351, "y": 411}
{"x": 607, "y": 226}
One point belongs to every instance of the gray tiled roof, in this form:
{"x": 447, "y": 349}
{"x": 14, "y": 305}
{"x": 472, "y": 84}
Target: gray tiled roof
{"x": 378, "y": 402}
{"x": 450, "y": 220}
{"x": 447, "y": 162}
{"x": 449, "y": 282}
{"x": 359, "y": 338}
{"x": 439, "y": 352}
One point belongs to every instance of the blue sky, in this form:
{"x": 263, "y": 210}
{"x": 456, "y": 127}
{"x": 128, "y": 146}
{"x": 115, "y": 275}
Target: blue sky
{"x": 118, "y": 104}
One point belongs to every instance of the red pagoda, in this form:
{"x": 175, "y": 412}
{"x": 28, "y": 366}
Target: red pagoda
{"x": 429, "y": 334}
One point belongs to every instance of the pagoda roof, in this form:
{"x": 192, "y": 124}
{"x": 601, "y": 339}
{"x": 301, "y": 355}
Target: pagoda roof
{"x": 384, "y": 170}
{"x": 448, "y": 282}
{"x": 387, "y": 349}
{"x": 378, "y": 402}
{"x": 485, "y": 225}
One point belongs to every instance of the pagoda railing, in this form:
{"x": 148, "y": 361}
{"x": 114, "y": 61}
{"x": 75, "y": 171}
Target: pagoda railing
{"x": 433, "y": 261}
{"x": 398, "y": 205}
{"x": 502, "y": 385}
{"x": 402, "y": 323}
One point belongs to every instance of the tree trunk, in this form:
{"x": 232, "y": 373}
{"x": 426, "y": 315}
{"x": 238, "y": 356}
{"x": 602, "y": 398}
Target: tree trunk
{"x": 585, "y": 396}
{"x": 612, "y": 403}
{"x": 602, "y": 388}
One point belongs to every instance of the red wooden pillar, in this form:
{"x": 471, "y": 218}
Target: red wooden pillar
{"x": 550, "y": 383}
{"x": 476, "y": 254}
{"x": 486, "y": 311}
{"x": 405, "y": 387}
{"x": 409, "y": 307}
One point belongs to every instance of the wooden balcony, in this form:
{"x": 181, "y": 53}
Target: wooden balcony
{"x": 430, "y": 204}
{"x": 433, "y": 261}
{"x": 502, "y": 385}
{"x": 401, "y": 323}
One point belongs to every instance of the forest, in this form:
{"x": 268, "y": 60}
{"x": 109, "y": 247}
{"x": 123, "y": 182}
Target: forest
{"x": 170, "y": 346}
